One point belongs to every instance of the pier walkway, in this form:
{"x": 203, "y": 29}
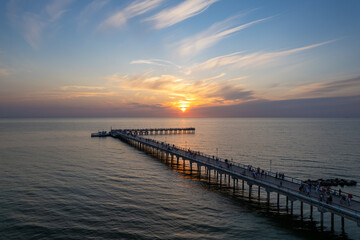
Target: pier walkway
{"x": 272, "y": 183}
{"x": 151, "y": 131}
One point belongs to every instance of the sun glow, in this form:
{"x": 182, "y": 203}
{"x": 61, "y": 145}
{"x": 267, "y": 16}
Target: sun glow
{"x": 183, "y": 105}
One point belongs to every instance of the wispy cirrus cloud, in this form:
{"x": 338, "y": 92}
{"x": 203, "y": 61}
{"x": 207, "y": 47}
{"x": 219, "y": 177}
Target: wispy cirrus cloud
{"x": 211, "y": 36}
{"x": 32, "y": 25}
{"x": 156, "y": 62}
{"x": 90, "y": 9}
{"x": 136, "y": 8}
{"x": 57, "y": 8}
{"x": 179, "y": 13}
{"x": 340, "y": 88}
{"x": 241, "y": 59}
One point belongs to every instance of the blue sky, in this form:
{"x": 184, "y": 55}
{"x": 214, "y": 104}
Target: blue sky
{"x": 178, "y": 58}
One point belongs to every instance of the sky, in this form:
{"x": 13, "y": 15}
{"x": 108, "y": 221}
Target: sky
{"x": 189, "y": 58}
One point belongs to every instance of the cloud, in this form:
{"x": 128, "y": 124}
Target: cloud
{"x": 340, "y": 88}
{"x": 240, "y": 59}
{"x": 75, "y": 88}
{"x": 77, "y": 91}
{"x": 338, "y": 85}
{"x": 90, "y": 9}
{"x": 32, "y": 25}
{"x": 193, "y": 93}
{"x": 33, "y": 28}
{"x": 181, "y": 12}
{"x": 310, "y": 107}
{"x": 56, "y": 9}
{"x": 148, "y": 106}
{"x": 70, "y": 108}
{"x": 163, "y": 83}
{"x": 4, "y": 72}
{"x": 211, "y": 36}
{"x": 157, "y": 62}
{"x": 229, "y": 92}
{"x": 136, "y": 8}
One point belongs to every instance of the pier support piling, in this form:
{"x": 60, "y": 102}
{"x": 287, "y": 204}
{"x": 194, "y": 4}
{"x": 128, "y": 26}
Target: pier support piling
{"x": 287, "y": 203}
{"x": 322, "y": 220}
{"x": 161, "y": 150}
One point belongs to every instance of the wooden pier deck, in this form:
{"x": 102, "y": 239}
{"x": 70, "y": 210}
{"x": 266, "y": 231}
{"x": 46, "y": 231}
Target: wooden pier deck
{"x": 271, "y": 182}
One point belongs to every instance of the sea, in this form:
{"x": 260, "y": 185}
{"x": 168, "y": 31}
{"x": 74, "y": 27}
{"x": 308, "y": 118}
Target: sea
{"x": 56, "y": 182}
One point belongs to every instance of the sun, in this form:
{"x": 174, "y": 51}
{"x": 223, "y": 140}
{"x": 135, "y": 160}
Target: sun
{"x": 182, "y": 105}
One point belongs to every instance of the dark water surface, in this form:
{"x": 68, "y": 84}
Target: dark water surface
{"x": 58, "y": 183}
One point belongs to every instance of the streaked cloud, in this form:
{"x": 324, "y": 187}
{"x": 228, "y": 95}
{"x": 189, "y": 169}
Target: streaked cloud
{"x": 340, "y": 88}
{"x": 90, "y": 9}
{"x": 211, "y": 36}
{"x": 339, "y": 85}
{"x": 33, "y": 29}
{"x": 57, "y": 8}
{"x": 157, "y": 62}
{"x": 309, "y": 107}
{"x": 32, "y": 25}
{"x": 182, "y": 92}
{"x": 71, "y": 92}
{"x": 75, "y": 88}
{"x": 179, "y": 13}
{"x": 136, "y": 8}
{"x": 241, "y": 59}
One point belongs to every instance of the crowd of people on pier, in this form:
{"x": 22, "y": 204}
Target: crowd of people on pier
{"x": 258, "y": 172}
{"x": 325, "y": 194}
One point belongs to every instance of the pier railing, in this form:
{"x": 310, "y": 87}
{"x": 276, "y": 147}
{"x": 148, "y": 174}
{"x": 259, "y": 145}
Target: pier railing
{"x": 206, "y": 159}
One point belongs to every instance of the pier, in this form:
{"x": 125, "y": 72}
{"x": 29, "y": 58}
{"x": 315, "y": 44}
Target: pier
{"x": 156, "y": 131}
{"x": 223, "y": 170}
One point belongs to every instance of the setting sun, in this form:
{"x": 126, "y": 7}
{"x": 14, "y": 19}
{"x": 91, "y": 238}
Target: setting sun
{"x": 182, "y": 105}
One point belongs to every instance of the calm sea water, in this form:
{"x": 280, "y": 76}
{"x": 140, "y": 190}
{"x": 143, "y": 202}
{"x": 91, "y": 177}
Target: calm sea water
{"x": 58, "y": 183}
